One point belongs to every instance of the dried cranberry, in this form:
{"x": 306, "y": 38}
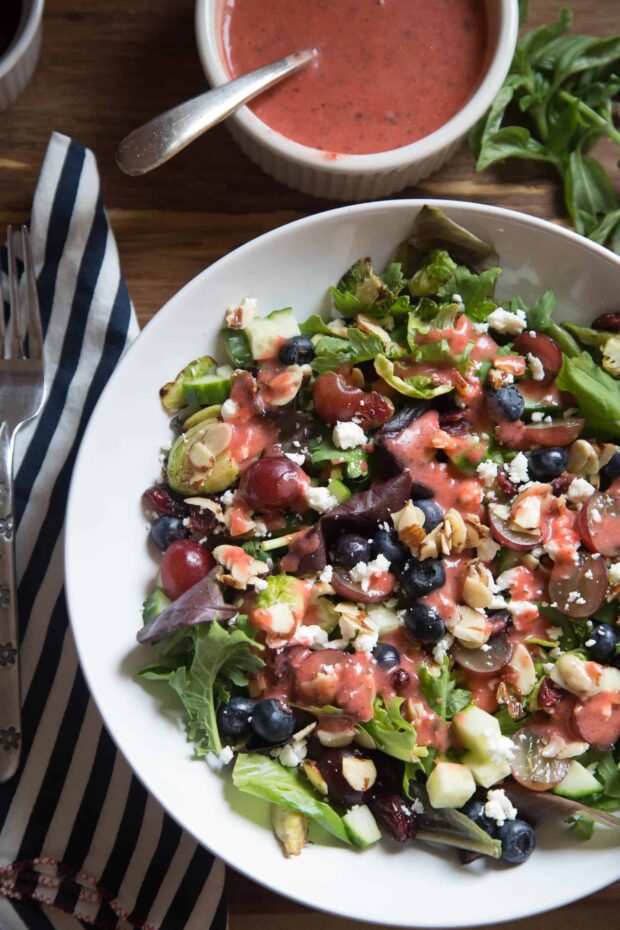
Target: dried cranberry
{"x": 398, "y": 678}
{"x": 500, "y": 620}
{"x": 164, "y": 503}
{"x": 608, "y": 321}
{"x": 395, "y": 817}
{"x": 454, "y": 422}
{"x": 505, "y": 483}
{"x": 201, "y": 520}
{"x": 561, "y": 484}
{"x": 548, "y": 694}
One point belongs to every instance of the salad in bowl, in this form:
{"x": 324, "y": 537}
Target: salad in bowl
{"x": 389, "y": 590}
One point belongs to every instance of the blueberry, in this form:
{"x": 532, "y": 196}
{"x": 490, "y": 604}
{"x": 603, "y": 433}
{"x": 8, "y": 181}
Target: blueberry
{"x": 518, "y": 841}
{"x": 233, "y": 719}
{"x": 273, "y": 720}
{"x": 386, "y": 656}
{"x": 433, "y": 513}
{"x": 605, "y": 639}
{"x": 474, "y": 809}
{"x": 386, "y": 543}
{"x": 298, "y": 350}
{"x": 506, "y": 403}
{"x": 424, "y": 624}
{"x": 420, "y": 578}
{"x": 350, "y": 549}
{"x": 610, "y": 471}
{"x": 544, "y": 464}
{"x": 167, "y": 530}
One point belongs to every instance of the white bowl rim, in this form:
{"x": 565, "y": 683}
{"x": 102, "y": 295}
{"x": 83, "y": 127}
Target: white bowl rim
{"x": 25, "y": 35}
{"x": 451, "y": 132}
{"x": 73, "y": 506}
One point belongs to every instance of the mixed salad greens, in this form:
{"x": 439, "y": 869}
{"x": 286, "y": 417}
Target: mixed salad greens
{"x": 389, "y": 590}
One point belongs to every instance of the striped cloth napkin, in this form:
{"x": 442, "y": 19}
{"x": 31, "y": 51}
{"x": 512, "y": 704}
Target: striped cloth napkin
{"x": 81, "y": 842}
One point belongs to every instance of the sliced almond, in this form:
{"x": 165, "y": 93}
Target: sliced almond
{"x": 475, "y": 531}
{"x": 201, "y": 456}
{"x": 283, "y": 387}
{"x": 369, "y": 326}
{"x": 522, "y": 664}
{"x": 335, "y": 739}
{"x": 583, "y": 458}
{"x": 472, "y": 628}
{"x": 360, "y": 774}
{"x": 312, "y": 773}
{"x": 478, "y": 586}
{"x": 217, "y": 438}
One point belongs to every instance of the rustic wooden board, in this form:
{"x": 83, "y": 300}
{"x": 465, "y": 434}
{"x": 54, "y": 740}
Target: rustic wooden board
{"x": 106, "y": 67}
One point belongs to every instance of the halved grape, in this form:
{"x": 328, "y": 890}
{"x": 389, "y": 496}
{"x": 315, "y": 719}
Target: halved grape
{"x": 598, "y": 720}
{"x": 577, "y": 588}
{"x": 600, "y": 523}
{"x": 488, "y": 660}
{"x": 380, "y": 587}
{"x": 529, "y": 767}
{"x": 518, "y": 435}
{"x": 544, "y": 348}
{"x": 512, "y": 539}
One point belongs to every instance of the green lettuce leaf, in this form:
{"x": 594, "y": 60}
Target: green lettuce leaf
{"x": 314, "y": 326}
{"x": 473, "y": 289}
{"x": 418, "y": 386}
{"x": 264, "y": 777}
{"x": 597, "y": 393}
{"x": 390, "y": 731}
{"x": 354, "y": 460}
{"x": 441, "y": 693}
{"x": 436, "y": 269}
{"x": 334, "y": 351}
{"x": 222, "y": 657}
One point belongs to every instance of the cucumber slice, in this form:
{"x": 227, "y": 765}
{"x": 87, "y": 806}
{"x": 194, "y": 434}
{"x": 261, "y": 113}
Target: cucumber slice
{"x": 155, "y": 603}
{"x": 210, "y": 389}
{"x": 172, "y": 394}
{"x": 577, "y": 783}
{"x": 266, "y": 334}
{"x": 361, "y": 826}
{"x": 238, "y": 348}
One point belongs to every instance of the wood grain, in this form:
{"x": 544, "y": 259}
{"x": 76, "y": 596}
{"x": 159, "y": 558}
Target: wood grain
{"x": 106, "y": 67}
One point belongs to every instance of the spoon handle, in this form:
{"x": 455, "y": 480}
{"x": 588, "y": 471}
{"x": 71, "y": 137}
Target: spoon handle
{"x": 162, "y": 137}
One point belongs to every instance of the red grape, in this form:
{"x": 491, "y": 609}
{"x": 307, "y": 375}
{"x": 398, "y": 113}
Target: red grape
{"x": 485, "y": 661}
{"x": 274, "y": 482}
{"x": 598, "y": 720}
{"x": 544, "y": 348}
{"x": 587, "y": 577}
{"x": 529, "y": 767}
{"x": 599, "y": 523}
{"x": 184, "y": 563}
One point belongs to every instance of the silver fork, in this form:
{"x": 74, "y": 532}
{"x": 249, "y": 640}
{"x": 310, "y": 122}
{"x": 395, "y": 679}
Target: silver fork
{"x": 22, "y": 391}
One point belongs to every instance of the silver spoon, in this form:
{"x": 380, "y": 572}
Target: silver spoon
{"x": 162, "y": 137}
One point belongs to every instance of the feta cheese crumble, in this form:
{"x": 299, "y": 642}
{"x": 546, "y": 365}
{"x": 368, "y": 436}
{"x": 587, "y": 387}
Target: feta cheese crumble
{"x": 363, "y": 571}
{"x": 320, "y": 499}
{"x": 579, "y": 490}
{"x": 517, "y": 470}
{"x": 498, "y": 807}
{"x": 504, "y": 321}
{"x": 292, "y": 754}
{"x": 442, "y": 648}
{"x": 297, "y": 457}
{"x": 326, "y": 574}
{"x": 613, "y": 573}
{"x": 536, "y": 367}
{"x": 348, "y": 435}
{"x": 229, "y": 409}
{"x": 487, "y": 471}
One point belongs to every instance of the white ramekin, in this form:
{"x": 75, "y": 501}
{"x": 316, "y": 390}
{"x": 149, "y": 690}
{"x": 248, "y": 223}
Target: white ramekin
{"x": 358, "y": 177}
{"x": 20, "y": 59}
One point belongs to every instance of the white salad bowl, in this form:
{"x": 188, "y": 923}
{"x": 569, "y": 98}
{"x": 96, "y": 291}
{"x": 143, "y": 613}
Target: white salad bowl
{"x": 358, "y": 177}
{"x": 109, "y": 569}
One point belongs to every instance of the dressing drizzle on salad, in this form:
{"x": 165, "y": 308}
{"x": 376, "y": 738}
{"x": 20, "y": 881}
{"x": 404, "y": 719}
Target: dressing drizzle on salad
{"x": 390, "y": 580}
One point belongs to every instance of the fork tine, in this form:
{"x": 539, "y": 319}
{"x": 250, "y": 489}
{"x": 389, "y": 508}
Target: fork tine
{"x": 13, "y": 340}
{"x": 33, "y": 313}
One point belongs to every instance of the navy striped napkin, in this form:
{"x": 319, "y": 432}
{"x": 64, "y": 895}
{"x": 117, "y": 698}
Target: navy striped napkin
{"x": 81, "y": 842}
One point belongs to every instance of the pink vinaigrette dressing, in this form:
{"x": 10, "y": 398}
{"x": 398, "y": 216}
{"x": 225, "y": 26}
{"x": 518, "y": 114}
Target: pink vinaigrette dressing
{"x": 389, "y": 71}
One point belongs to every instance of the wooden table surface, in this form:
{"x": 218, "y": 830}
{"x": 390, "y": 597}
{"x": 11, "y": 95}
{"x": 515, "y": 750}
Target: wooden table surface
{"x": 109, "y": 65}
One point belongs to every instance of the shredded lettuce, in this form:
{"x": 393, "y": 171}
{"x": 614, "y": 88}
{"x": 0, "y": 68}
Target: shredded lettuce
{"x": 267, "y": 779}
{"x": 392, "y": 734}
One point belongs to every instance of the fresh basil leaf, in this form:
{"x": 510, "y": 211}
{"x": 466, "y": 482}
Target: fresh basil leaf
{"x": 389, "y": 730}
{"x": 588, "y": 191}
{"x": 265, "y": 778}
{"x": 421, "y": 387}
{"x": 441, "y": 693}
{"x": 220, "y": 656}
{"x": 597, "y": 394}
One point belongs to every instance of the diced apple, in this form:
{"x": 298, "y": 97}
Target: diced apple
{"x": 476, "y": 729}
{"x": 450, "y": 785}
{"x": 486, "y": 771}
